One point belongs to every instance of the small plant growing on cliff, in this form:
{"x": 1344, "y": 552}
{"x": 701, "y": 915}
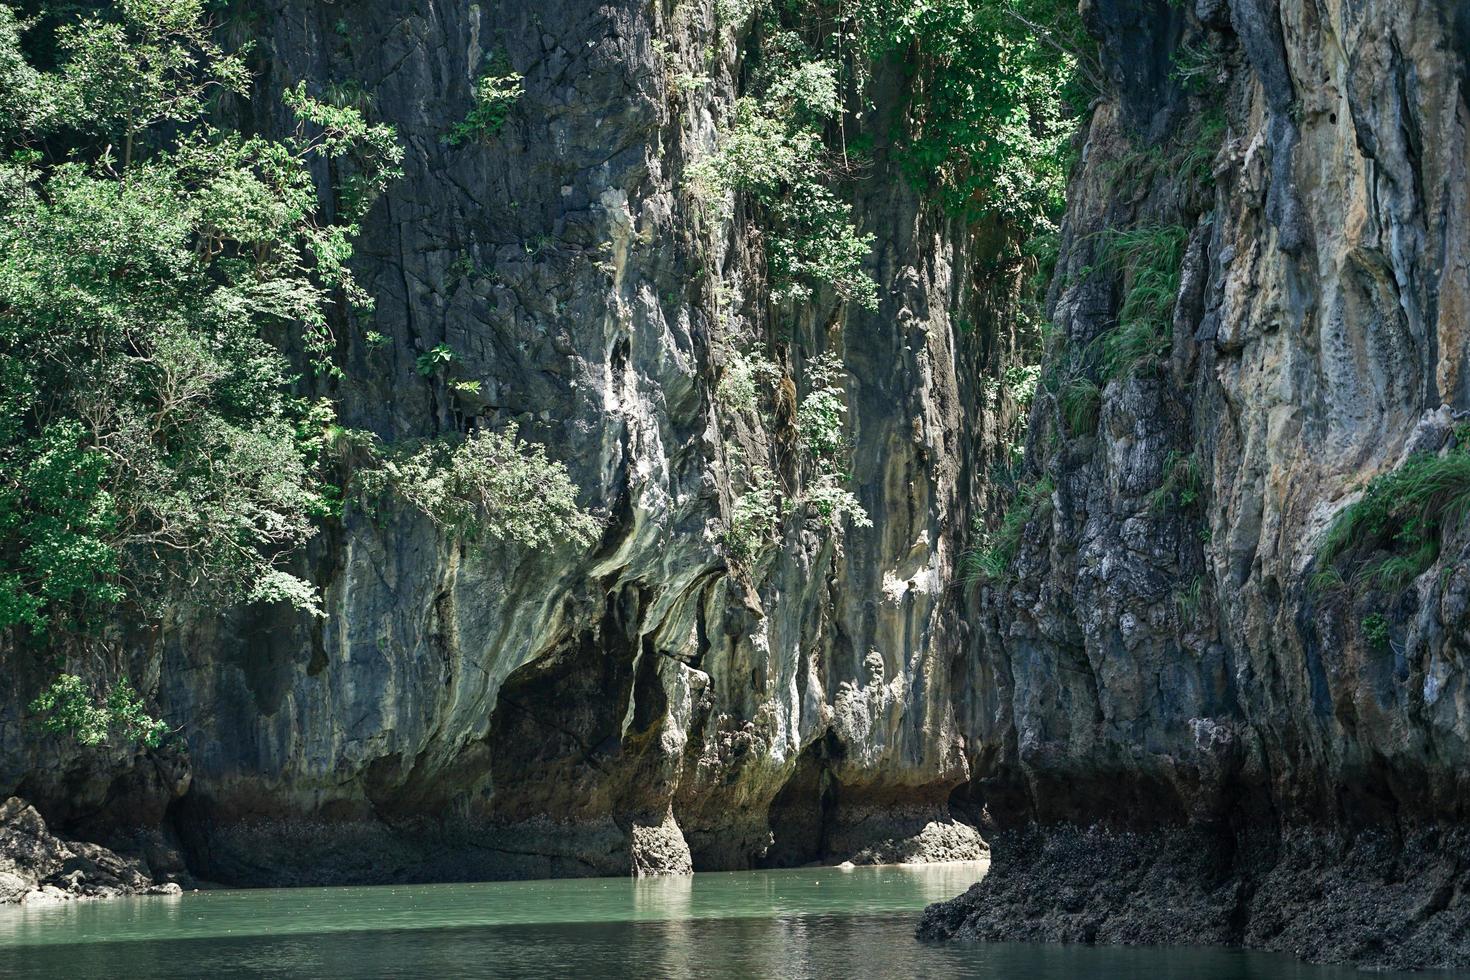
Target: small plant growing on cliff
{"x": 745, "y": 373}
{"x": 820, "y": 424}
{"x": 492, "y": 483}
{"x": 1182, "y": 483}
{"x": 1189, "y": 602}
{"x": 755, "y": 514}
{"x": 1198, "y": 66}
{"x": 438, "y": 358}
{"x": 496, "y": 92}
{"x": 1375, "y": 630}
{"x": 820, "y": 418}
{"x": 992, "y": 558}
{"x": 67, "y": 707}
{"x": 1392, "y": 533}
{"x": 1080, "y": 400}
{"x": 1148, "y": 259}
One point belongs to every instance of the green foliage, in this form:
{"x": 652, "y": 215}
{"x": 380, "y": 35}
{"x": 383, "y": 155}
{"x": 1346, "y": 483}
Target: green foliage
{"x": 835, "y": 505}
{"x": 1190, "y": 602}
{"x": 149, "y": 444}
{"x": 1080, "y": 400}
{"x": 152, "y": 62}
{"x": 755, "y": 516}
{"x": 1199, "y": 66}
{"x": 496, "y": 93}
{"x": 996, "y": 89}
{"x": 822, "y": 451}
{"x": 1182, "y": 486}
{"x": 1393, "y": 532}
{"x": 745, "y": 373}
{"x": 492, "y": 483}
{"x": 772, "y": 149}
{"x": 1375, "y": 630}
{"x": 737, "y": 12}
{"x": 821, "y": 420}
{"x": 1197, "y": 156}
{"x": 817, "y": 243}
{"x": 1148, "y": 259}
{"x": 991, "y": 558}
{"x": 438, "y": 358}
{"x": 821, "y": 417}
{"x": 58, "y": 524}
{"x": 67, "y": 707}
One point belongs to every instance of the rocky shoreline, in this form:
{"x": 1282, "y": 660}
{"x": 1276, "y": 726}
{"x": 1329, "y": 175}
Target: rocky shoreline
{"x": 39, "y": 868}
{"x": 1374, "y": 899}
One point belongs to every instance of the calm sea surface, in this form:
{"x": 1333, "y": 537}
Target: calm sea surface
{"x": 814, "y": 922}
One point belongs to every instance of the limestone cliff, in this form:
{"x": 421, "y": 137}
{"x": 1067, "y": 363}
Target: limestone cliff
{"x": 469, "y": 710}
{"x": 1171, "y": 722}
{"x": 1170, "y": 652}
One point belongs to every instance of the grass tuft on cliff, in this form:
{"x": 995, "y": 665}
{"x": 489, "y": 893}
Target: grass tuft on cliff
{"x": 1393, "y": 533}
{"x": 1148, "y": 258}
{"x": 991, "y": 560}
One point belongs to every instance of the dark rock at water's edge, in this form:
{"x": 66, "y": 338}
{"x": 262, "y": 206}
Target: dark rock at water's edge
{"x": 38, "y": 868}
{"x": 1372, "y": 899}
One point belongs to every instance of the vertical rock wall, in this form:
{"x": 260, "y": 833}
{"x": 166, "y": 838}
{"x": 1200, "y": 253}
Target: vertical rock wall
{"x": 473, "y": 710}
{"x": 1165, "y": 659}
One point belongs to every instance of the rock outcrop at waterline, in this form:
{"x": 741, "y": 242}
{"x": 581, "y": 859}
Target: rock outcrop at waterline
{"x": 469, "y": 710}
{"x": 38, "y": 868}
{"x": 1176, "y": 650}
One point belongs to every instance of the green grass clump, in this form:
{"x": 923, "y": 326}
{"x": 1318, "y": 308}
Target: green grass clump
{"x": 1392, "y": 534}
{"x": 1182, "y": 484}
{"x": 1190, "y": 601}
{"x": 1081, "y": 402}
{"x": 997, "y": 549}
{"x": 1149, "y": 260}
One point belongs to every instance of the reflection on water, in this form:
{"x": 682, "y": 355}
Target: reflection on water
{"x": 294, "y": 911}
{"x": 811, "y": 922}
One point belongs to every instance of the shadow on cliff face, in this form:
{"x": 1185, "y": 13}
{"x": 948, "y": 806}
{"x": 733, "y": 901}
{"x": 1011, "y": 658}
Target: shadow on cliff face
{"x": 560, "y": 748}
{"x": 802, "y": 812}
{"x": 1459, "y": 13}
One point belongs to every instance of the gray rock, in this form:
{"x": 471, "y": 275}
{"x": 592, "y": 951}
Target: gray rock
{"x": 39, "y": 868}
{"x": 660, "y": 849}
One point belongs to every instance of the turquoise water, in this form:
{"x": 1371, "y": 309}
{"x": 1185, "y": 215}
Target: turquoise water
{"x": 813, "y": 922}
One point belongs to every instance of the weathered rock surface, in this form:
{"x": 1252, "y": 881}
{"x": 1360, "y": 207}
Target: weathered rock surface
{"x": 1371, "y": 899}
{"x": 474, "y": 711}
{"x": 1170, "y": 670}
{"x": 1176, "y": 737}
{"x": 37, "y": 867}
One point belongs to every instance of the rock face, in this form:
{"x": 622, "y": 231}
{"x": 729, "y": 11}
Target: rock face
{"x": 648, "y": 705}
{"x": 1166, "y": 658}
{"x": 1172, "y": 732}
